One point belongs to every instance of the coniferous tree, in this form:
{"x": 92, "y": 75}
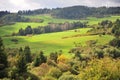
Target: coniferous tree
{"x": 36, "y": 61}
{"x": 39, "y": 59}
{"x": 27, "y": 54}
{"x": 54, "y": 56}
{"x": 42, "y": 57}
{"x": 21, "y": 64}
{"x": 116, "y": 28}
{"x": 21, "y": 32}
{"x": 20, "y": 51}
{"x": 3, "y": 60}
{"x": 28, "y": 30}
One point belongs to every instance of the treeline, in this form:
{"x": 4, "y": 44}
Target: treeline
{"x": 10, "y": 19}
{"x": 75, "y": 12}
{"x": 2, "y": 13}
{"x": 107, "y": 27}
{"x": 78, "y": 12}
{"x": 52, "y": 27}
{"x": 34, "y": 12}
{"x": 13, "y": 17}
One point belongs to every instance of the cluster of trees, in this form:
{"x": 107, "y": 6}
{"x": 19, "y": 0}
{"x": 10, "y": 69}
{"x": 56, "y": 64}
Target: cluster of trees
{"x": 52, "y": 27}
{"x": 3, "y": 60}
{"x": 74, "y": 12}
{"x": 15, "y": 66}
{"x": 106, "y": 24}
{"x": 78, "y": 12}
{"x": 11, "y": 18}
{"x": 14, "y": 18}
{"x": 34, "y": 12}
{"x": 2, "y": 13}
{"x": 116, "y": 28}
{"x": 107, "y": 27}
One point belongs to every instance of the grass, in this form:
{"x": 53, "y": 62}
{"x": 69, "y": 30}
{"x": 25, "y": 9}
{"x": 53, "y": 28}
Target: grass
{"x": 48, "y": 18}
{"x": 9, "y": 29}
{"x": 55, "y": 42}
{"x": 94, "y": 20}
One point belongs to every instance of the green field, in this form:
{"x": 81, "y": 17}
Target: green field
{"x": 48, "y": 18}
{"x": 52, "y": 42}
{"x": 91, "y": 20}
{"x": 94, "y": 20}
{"x": 9, "y": 29}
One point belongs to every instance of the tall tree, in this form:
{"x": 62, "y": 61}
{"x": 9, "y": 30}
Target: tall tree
{"x": 20, "y": 51}
{"x": 116, "y": 28}
{"x": 27, "y": 54}
{"x": 21, "y": 64}
{"x": 39, "y": 59}
{"x": 28, "y": 30}
{"x": 3, "y": 59}
{"x": 21, "y": 32}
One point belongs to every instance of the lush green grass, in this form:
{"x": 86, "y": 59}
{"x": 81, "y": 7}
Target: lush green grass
{"x": 9, "y": 29}
{"x": 55, "y": 41}
{"x": 93, "y": 20}
{"x": 48, "y": 18}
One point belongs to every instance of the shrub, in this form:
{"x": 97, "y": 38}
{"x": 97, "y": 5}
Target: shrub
{"x": 99, "y": 54}
{"x": 115, "y": 42}
{"x": 55, "y": 72}
{"x": 63, "y": 67}
{"x": 115, "y": 53}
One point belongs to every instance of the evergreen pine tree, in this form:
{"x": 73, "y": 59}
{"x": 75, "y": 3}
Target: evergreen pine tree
{"x": 20, "y": 51}
{"x": 27, "y": 54}
{"x": 3, "y": 60}
{"x": 21, "y": 64}
{"x": 39, "y": 59}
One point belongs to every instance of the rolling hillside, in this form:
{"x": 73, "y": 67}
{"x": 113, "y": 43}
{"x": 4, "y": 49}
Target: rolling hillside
{"x": 9, "y": 29}
{"x": 52, "y": 42}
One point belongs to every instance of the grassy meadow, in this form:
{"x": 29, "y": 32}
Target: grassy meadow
{"x": 53, "y": 41}
{"x": 9, "y": 29}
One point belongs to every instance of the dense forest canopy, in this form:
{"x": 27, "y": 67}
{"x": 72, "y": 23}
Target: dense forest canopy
{"x": 74, "y": 12}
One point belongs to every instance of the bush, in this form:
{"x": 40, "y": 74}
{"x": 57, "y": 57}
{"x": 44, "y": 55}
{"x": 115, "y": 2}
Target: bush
{"x": 63, "y": 67}
{"x": 115, "y": 42}
{"x": 55, "y": 72}
{"x": 99, "y": 54}
{"x": 13, "y": 73}
{"x": 115, "y": 53}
